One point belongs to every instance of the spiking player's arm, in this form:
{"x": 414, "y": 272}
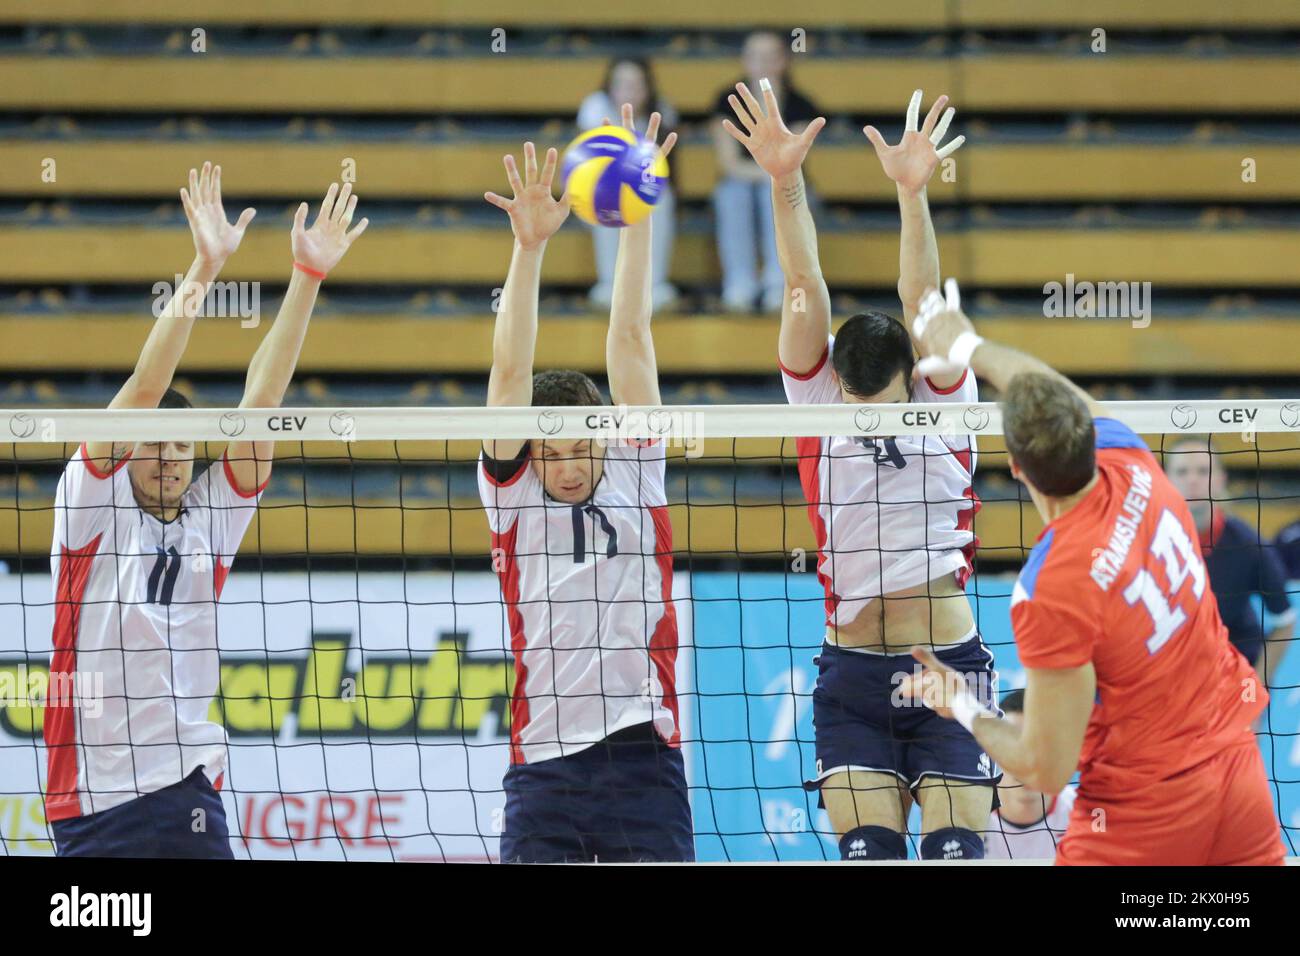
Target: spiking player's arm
{"x": 629, "y": 346}
{"x": 806, "y": 314}
{"x": 911, "y": 164}
{"x": 1042, "y": 750}
{"x": 535, "y": 215}
{"x": 215, "y": 240}
{"x": 951, "y": 344}
{"x": 315, "y": 252}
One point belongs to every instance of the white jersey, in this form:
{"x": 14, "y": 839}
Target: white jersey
{"x": 1038, "y": 841}
{"x": 135, "y": 627}
{"x": 889, "y": 513}
{"x": 588, "y": 597}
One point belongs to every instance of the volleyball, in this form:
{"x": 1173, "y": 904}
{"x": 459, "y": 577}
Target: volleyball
{"x": 614, "y": 177}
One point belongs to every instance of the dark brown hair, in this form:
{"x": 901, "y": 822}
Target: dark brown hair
{"x": 1049, "y": 433}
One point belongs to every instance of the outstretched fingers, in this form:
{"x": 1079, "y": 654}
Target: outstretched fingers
{"x": 736, "y": 134}
{"x": 752, "y": 102}
{"x": 327, "y": 204}
{"x": 810, "y": 132}
{"x": 501, "y": 202}
{"x": 876, "y": 139}
{"x": 358, "y": 229}
{"x": 744, "y": 119}
{"x": 530, "y": 164}
{"x": 951, "y": 147}
{"x": 548, "y": 168}
{"x": 932, "y": 117}
{"x": 941, "y": 129}
{"x": 512, "y": 174}
{"x": 913, "y": 112}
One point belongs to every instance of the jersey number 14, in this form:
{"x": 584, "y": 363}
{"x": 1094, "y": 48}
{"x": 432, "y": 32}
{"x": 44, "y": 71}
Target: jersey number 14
{"x": 1174, "y": 548}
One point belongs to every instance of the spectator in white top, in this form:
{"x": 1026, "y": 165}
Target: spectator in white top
{"x": 1028, "y": 824}
{"x": 629, "y": 79}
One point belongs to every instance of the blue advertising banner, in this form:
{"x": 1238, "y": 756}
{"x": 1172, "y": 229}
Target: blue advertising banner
{"x": 750, "y": 713}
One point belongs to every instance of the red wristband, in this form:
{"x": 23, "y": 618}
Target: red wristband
{"x": 311, "y": 272}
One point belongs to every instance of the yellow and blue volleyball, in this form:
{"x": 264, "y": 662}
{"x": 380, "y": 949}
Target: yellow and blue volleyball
{"x": 614, "y": 177}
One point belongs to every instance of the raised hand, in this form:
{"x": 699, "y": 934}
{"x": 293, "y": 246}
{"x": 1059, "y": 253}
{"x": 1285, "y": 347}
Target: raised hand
{"x": 322, "y": 246}
{"x": 776, "y": 150}
{"x": 651, "y": 130}
{"x": 946, "y": 336}
{"x": 535, "y": 214}
{"x": 912, "y": 162}
{"x": 214, "y": 238}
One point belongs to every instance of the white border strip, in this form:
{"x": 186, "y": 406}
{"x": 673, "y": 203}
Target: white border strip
{"x": 676, "y": 423}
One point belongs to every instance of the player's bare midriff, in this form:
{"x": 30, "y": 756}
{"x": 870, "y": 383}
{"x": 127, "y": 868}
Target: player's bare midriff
{"x": 936, "y": 612}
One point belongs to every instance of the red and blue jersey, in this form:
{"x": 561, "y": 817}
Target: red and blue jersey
{"x": 1119, "y": 581}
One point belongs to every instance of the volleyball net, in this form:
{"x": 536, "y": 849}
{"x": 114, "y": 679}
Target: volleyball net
{"x": 364, "y": 646}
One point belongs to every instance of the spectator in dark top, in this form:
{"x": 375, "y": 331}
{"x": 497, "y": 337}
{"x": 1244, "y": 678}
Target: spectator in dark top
{"x": 1239, "y": 564}
{"x": 1287, "y": 544}
{"x": 742, "y": 200}
{"x": 629, "y": 79}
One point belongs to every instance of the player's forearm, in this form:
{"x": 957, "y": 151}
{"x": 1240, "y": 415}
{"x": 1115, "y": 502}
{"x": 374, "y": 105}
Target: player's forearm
{"x": 630, "y": 311}
{"x": 796, "y": 234}
{"x": 629, "y": 346}
{"x": 918, "y": 250}
{"x": 999, "y": 364}
{"x": 514, "y": 338}
{"x": 1012, "y": 751}
{"x": 273, "y": 364}
{"x": 168, "y": 338}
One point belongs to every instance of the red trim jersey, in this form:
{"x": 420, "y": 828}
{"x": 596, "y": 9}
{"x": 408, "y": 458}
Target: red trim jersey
{"x": 888, "y": 513}
{"x": 1119, "y": 581}
{"x": 135, "y": 663}
{"x": 588, "y": 599}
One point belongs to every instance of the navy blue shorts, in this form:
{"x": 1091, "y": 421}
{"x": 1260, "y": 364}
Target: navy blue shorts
{"x": 157, "y": 825}
{"x": 623, "y": 800}
{"x": 863, "y": 723}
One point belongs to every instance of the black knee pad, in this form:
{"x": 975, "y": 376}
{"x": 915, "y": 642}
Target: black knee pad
{"x": 873, "y": 843}
{"x": 952, "y": 843}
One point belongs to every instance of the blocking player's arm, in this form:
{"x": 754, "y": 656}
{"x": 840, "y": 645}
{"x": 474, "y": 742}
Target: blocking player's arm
{"x": 215, "y": 240}
{"x": 806, "y": 314}
{"x": 942, "y": 328}
{"x": 315, "y": 252}
{"x": 535, "y": 215}
{"x": 629, "y": 346}
{"x": 910, "y": 165}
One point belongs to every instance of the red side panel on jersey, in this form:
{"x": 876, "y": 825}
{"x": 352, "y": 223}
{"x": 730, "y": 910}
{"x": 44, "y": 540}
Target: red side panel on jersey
{"x": 804, "y": 376}
{"x": 219, "y": 574}
{"x": 809, "y": 451}
{"x": 951, "y": 388}
{"x": 509, "y": 575}
{"x": 663, "y": 643}
{"x": 95, "y": 472}
{"x": 966, "y": 516}
{"x": 234, "y": 484}
{"x": 61, "y": 800}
